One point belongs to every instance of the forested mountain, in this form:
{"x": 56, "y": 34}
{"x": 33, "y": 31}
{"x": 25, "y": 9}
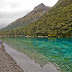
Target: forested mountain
{"x": 29, "y": 18}
{"x": 55, "y": 22}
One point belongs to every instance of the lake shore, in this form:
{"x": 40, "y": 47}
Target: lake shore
{"x": 7, "y": 63}
{"x": 27, "y": 64}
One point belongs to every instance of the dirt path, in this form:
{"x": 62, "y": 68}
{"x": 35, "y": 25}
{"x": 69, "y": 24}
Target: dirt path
{"x": 26, "y": 63}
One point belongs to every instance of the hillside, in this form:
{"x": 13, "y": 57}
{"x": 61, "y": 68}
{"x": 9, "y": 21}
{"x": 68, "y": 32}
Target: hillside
{"x": 56, "y": 22}
{"x": 35, "y": 14}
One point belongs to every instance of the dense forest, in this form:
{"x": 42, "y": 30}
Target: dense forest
{"x": 55, "y": 22}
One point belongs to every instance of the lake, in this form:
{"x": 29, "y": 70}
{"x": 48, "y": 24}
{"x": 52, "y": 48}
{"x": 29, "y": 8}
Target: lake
{"x": 56, "y": 50}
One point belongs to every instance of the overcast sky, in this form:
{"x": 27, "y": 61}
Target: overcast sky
{"x": 10, "y": 10}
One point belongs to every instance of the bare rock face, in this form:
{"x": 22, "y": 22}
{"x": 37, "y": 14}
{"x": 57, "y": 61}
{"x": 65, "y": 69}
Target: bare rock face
{"x": 7, "y": 63}
{"x": 41, "y": 7}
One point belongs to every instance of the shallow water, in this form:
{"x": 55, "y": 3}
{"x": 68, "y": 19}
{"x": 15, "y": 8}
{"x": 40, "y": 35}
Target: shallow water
{"x": 58, "y": 50}
{"x": 27, "y": 64}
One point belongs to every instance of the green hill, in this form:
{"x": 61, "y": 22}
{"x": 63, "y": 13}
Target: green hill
{"x": 56, "y": 22}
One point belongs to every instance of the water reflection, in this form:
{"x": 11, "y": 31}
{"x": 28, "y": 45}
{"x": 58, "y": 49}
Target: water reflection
{"x": 58, "y": 50}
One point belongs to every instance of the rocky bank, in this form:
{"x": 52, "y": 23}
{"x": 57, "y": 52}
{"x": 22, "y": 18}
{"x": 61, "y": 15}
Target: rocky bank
{"x": 7, "y": 63}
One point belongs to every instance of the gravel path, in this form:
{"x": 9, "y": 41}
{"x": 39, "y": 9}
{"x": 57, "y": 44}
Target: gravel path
{"x": 26, "y": 63}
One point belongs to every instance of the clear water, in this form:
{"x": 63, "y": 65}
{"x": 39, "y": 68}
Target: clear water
{"x": 58, "y": 50}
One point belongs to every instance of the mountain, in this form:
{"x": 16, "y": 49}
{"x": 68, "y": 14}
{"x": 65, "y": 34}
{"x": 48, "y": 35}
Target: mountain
{"x": 55, "y": 22}
{"x": 29, "y": 18}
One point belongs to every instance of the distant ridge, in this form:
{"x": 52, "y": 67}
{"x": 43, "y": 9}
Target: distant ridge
{"x": 32, "y": 16}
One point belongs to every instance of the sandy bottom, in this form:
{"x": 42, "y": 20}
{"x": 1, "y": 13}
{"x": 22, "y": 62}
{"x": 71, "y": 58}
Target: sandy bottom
{"x": 26, "y": 63}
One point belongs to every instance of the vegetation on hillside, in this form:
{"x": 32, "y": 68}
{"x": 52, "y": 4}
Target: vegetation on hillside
{"x": 56, "y": 22}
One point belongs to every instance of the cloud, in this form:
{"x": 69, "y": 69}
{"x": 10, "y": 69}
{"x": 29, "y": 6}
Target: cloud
{"x": 10, "y": 10}
{"x": 21, "y": 5}
{"x": 7, "y": 17}
{"x": 13, "y": 5}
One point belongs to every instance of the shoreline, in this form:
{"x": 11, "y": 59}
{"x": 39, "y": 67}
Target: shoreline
{"x": 7, "y": 63}
{"x": 28, "y": 64}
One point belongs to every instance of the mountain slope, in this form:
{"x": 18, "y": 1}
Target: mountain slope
{"x": 56, "y": 22}
{"x": 29, "y": 18}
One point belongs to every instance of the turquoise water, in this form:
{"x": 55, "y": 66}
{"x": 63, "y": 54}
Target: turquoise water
{"x": 58, "y": 50}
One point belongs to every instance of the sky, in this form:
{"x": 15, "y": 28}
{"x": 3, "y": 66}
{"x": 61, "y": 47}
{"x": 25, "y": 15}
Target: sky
{"x": 10, "y": 10}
